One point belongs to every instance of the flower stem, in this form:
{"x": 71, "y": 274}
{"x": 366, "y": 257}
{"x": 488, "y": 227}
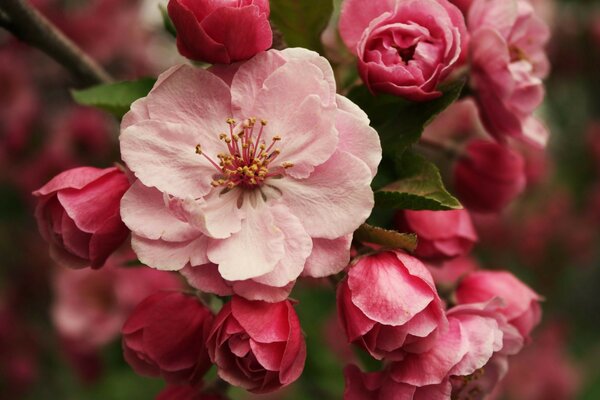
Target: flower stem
{"x": 27, "y": 24}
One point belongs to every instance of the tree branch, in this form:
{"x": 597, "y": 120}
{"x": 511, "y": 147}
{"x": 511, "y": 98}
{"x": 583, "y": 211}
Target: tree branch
{"x": 30, "y": 26}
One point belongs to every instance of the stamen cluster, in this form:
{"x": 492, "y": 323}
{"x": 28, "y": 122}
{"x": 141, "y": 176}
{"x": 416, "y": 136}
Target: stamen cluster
{"x": 247, "y": 162}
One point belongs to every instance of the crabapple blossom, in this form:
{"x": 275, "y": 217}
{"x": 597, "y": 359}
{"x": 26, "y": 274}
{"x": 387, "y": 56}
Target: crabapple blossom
{"x": 508, "y": 65}
{"x": 259, "y": 169}
{"x": 221, "y": 31}
{"x": 489, "y": 176}
{"x": 389, "y": 305}
{"x": 165, "y": 335}
{"x": 522, "y": 308}
{"x": 442, "y": 234}
{"x": 78, "y": 214}
{"x": 257, "y": 345}
{"x": 404, "y": 47}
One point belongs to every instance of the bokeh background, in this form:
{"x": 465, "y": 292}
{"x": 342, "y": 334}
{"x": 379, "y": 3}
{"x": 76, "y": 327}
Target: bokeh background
{"x": 549, "y": 237}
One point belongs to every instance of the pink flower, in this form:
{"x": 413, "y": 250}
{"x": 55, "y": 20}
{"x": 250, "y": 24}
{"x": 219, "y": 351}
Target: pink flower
{"x": 489, "y": 176}
{"x": 404, "y": 47}
{"x": 508, "y": 65}
{"x": 78, "y": 214}
{"x": 522, "y": 308}
{"x": 442, "y": 234}
{"x": 91, "y": 306}
{"x": 382, "y": 386}
{"x": 275, "y": 196}
{"x": 165, "y": 335}
{"x": 221, "y": 31}
{"x": 476, "y": 333}
{"x": 256, "y": 345}
{"x": 377, "y": 318}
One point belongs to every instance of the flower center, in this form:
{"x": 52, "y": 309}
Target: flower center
{"x": 248, "y": 161}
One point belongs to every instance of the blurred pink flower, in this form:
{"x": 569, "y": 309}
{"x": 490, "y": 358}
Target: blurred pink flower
{"x": 407, "y": 47}
{"x": 265, "y": 201}
{"x": 90, "y": 306}
{"x": 442, "y": 234}
{"x": 488, "y": 176}
{"x": 256, "y": 345}
{"x": 508, "y": 65}
{"x": 78, "y": 214}
{"x": 543, "y": 371}
{"x": 521, "y": 304}
{"x": 150, "y": 346}
{"x": 456, "y": 123}
{"x": 377, "y": 319}
{"x": 204, "y": 29}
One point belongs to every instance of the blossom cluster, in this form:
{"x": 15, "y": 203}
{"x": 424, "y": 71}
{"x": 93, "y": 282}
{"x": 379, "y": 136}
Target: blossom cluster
{"x": 258, "y": 171}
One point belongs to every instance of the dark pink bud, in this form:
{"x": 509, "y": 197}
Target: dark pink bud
{"x": 221, "y": 31}
{"x": 489, "y": 176}
{"x": 521, "y": 304}
{"x": 78, "y": 214}
{"x": 257, "y": 345}
{"x": 442, "y": 234}
{"x": 165, "y": 336}
{"x": 377, "y": 318}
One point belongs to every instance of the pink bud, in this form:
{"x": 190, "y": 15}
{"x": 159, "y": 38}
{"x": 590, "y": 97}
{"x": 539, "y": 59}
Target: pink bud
{"x": 522, "y": 308}
{"x": 257, "y": 345}
{"x": 442, "y": 235}
{"x": 405, "y": 48}
{"x": 221, "y": 31}
{"x": 78, "y": 214}
{"x": 380, "y": 320}
{"x": 489, "y": 176}
{"x": 165, "y": 335}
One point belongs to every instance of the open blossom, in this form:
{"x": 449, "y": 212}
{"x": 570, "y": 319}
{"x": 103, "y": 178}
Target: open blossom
{"x": 389, "y": 305}
{"x": 382, "y": 386}
{"x": 257, "y": 345}
{"x": 261, "y": 170}
{"x": 508, "y": 65}
{"x": 404, "y": 47}
{"x": 78, "y": 214}
{"x": 489, "y": 176}
{"x": 522, "y": 308}
{"x": 221, "y": 31}
{"x": 476, "y": 333}
{"x": 442, "y": 234}
{"x": 165, "y": 335}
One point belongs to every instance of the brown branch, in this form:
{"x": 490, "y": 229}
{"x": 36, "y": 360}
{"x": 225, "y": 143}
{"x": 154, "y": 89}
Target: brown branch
{"x": 30, "y": 26}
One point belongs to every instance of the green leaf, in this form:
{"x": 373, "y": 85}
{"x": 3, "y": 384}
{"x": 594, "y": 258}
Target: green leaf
{"x": 167, "y": 23}
{"x": 386, "y": 238}
{"x": 302, "y": 21}
{"x": 420, "y": 188}
{"x": 116, "y": 98}
{"x": 399, "y": 122}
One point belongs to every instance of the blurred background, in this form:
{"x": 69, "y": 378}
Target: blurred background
{"x": 59, "y": 329}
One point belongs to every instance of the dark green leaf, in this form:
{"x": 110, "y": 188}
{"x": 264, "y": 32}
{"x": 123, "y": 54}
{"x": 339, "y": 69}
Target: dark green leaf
{"x": 302, "y": 21}
{"x": 386, "y": 238}
{"x": 116, "y": 98}
{"x": 400, "y": 123}
{"x": 167, "y": 23}
{"x": 420, "y": 188}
